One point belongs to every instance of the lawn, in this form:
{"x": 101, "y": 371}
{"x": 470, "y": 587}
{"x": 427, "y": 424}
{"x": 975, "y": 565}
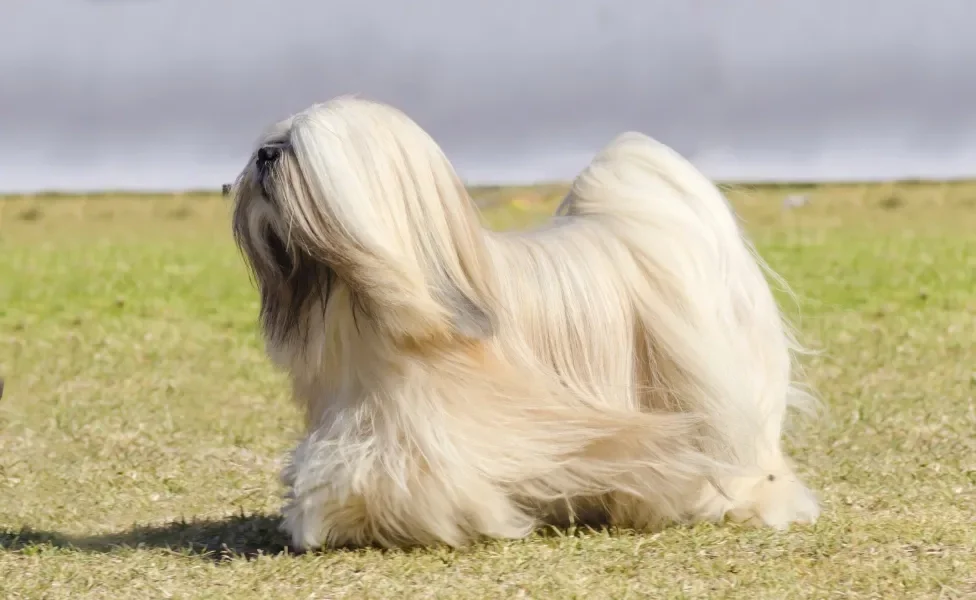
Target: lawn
{"x": 141, "y": 427}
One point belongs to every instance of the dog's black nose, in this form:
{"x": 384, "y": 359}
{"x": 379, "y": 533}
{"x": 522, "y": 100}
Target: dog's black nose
{"x": 267, "y": 155}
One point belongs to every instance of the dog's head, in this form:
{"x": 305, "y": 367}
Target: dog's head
{"x": 353, "y": 195}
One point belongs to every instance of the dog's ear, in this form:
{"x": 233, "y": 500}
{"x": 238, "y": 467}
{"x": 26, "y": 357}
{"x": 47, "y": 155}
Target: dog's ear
{"x": 445, "y": 289}
{"x": 469, "y": 318}
{"x": 458, "y": 253}
{"x": 407, "y": 302}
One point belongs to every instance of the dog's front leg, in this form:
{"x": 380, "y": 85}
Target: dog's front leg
{"x": 321, "y": 507}
{"x": 365, "y": 493}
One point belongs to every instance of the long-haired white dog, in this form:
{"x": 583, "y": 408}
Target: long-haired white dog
{"x": 627, "y": 362}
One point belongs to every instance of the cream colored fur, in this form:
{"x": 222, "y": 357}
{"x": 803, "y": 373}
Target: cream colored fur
{"x": 626, "y": 361}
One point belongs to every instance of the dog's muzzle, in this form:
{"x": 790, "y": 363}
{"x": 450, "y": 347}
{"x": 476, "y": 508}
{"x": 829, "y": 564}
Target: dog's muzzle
{"x": 267, "y": 155}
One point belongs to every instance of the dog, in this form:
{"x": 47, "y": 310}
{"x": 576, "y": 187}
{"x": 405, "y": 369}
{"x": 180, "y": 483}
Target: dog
{"x": 627, "y": 362}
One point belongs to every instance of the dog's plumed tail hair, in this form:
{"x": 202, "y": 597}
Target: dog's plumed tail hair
{"x": 716, "y": 335}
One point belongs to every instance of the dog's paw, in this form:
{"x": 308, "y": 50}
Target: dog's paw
{"x": 302, "y": 523}
{"x": 777, "y": 501}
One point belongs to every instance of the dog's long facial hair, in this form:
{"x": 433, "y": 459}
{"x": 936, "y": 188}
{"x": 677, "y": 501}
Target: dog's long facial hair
{"x": 627, "y": 360}
{"x": 289, "y": 280}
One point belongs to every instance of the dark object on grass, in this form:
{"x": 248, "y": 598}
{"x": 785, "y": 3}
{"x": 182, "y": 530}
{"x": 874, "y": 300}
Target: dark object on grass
{"x": 891, "y": 202}
{"x": 1, "y": 387}
{"x": 225, "y": 189}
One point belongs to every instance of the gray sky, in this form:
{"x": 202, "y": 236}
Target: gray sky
{"x": 171, "y": 93}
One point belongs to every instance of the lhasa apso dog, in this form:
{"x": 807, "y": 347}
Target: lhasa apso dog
{"x": 625, "y": 362}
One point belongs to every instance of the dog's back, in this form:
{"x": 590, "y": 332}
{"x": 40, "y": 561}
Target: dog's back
{"x": 566, "y": 297}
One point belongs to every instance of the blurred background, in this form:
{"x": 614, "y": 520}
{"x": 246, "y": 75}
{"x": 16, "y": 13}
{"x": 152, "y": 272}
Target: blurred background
{"x": 169, "y": 94}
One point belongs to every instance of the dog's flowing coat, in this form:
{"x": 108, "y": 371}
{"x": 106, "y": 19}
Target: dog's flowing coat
{"x": 627, "y": 361}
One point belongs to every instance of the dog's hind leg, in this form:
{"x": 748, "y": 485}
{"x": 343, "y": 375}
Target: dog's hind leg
{"x": 776, "y": 498}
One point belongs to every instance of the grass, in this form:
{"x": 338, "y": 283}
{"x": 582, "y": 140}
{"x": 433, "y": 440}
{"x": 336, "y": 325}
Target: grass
{"x": 141, "y": 426}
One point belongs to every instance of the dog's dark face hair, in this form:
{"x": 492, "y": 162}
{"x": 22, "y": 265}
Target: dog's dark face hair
{"x": 287, "y": 277}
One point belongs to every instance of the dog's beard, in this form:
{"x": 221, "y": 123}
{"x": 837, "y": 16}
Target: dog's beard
{"x": 289, "y": 295}
{"x": 280, "y": 256}
{"x": 290, "y": 281}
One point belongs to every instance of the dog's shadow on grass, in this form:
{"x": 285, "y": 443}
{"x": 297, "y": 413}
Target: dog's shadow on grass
{"x": 241, "y": 536}
{"x": 238, "y": 536}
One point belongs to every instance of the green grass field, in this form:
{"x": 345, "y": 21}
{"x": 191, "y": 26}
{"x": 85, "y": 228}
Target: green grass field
{"x": 141, "y": 427}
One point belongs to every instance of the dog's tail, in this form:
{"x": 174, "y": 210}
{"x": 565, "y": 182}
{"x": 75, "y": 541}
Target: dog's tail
{"x": 713, "y": 325}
